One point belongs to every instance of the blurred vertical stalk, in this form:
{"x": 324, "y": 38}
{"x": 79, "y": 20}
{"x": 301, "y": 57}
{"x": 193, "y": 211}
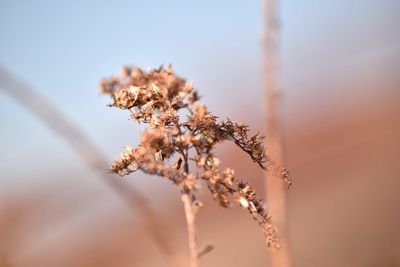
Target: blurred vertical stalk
{"x": 274, "y": 188}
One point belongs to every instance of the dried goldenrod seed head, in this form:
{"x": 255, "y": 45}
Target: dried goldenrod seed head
{"x": 177, "y": 124}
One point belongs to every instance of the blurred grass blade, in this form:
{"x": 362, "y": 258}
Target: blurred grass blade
{"x": 53, "y": 118}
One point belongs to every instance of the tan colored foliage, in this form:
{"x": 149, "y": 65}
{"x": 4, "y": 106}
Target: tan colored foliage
{"x": 181, "y": 131}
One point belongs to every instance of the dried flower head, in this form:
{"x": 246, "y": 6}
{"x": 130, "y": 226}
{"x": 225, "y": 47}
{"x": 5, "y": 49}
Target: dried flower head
{"x": 160, "y": 99}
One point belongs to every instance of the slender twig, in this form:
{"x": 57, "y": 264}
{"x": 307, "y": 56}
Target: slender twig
{"x": 89, "y": 153}
{"x": 190, "y": 221}
{"x": 190, "y": 217}
{"x": 248, "y": 151}
{"x": 275, "y": 191}
{"x": 206, "y": 249}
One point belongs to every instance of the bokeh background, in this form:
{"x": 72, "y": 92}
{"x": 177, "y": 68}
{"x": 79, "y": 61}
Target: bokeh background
{"x": 339, "y": 65}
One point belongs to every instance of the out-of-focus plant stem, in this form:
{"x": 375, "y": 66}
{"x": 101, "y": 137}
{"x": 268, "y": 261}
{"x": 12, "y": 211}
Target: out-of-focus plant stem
{"x": 274, "y": 188}
{"x": 86, "y": 150}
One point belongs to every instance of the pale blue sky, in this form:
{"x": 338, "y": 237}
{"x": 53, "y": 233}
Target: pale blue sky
{"x": 63, "y": 48}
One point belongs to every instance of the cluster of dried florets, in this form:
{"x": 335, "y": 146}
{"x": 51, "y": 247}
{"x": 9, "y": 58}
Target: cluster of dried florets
{"x": 160, "y": 99}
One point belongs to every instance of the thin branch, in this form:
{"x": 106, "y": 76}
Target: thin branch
{"x": 190, "y": 215}
{"x": 190, "y": 221}
{"x": 205, "y": 250}
{"x": 248, "y": 151}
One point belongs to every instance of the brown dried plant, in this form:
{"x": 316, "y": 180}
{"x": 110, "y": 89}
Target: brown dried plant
{"x": 182, "y": 134}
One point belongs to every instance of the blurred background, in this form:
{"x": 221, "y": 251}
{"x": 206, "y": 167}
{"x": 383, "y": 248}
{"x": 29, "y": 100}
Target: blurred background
{"x": 339, "y": 65}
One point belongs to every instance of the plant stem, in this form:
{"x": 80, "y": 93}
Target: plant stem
{"x": 190, "y": 215}
{"x": 190, "y": 218}
{"x": 274, "y": 188}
